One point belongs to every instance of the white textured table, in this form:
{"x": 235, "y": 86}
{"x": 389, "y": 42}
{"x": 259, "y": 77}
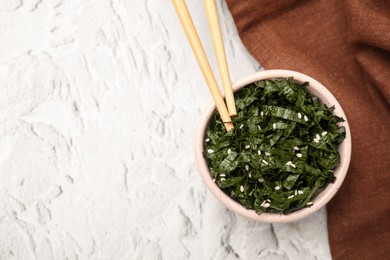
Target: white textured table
{"x": 99, "y": 102}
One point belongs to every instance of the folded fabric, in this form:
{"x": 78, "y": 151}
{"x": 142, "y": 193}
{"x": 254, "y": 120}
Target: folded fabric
{"x": 346, "y": 46}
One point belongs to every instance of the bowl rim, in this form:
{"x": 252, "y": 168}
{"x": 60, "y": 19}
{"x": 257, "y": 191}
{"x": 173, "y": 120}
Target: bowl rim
{"x": 345, "y": 150}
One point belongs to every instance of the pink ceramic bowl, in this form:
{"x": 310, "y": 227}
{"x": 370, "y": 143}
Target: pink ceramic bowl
{"x": 324, "y": 196}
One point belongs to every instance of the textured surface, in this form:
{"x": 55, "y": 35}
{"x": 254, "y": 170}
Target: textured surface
{"x": 99, "y": 102}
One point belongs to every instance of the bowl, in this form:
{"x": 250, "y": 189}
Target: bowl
{"x": 322, "y": 198}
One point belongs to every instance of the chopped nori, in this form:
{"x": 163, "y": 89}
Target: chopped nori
{"x": 282, "y": 151}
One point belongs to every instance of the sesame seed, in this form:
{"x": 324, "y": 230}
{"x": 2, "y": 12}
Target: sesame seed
{"x": 258, "y": 152}
{"x": 223, "y": 179}
{"x": 299, "y": 155}
{"x": 258, "y": 126}
{"x": 261, "y": 113}
{"x": 207, "y": 140}
{"x": 247, "y": 167}
{"x": 229, "y": 151}
{"x": 299, "y": 115}
{"x": 274, "y": 125}
{"x": 296, "y": 148}
{"x": 306, "y": 119}
{"x": 293, "y": 165}
{"x": 213, "y": 180}
{"x": 277, "y": 187}
{"x": 265, "y": 204}
{"x": 268, "y": 200}
{"x": 318, "y": 137}
{"x": 265, "y": 162}
{"x": 289, "y": 163}
{"x": 242, "y": 188}
{"x": 324, "y": 133}
{"x": 261, "y": 180}
{"x": 250, "y": 175}
{"x": 295, "y": 192}
{"x": 241, "y": 126}
{"x": 247, "y": 146}
{"x": 300, "y": 192}
{"x": 210, "y": 151}
{"x": 267, "y": 153}
{"x": 222, "y": 175}
{"x": 290, "y": 197}
{"x": 309, "y": 203}
{"x": 316, "y": 140}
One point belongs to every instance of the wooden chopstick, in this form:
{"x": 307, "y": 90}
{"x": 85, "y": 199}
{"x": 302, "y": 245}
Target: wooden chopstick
{"x": 215, "y": 30}
{"x": 197, "y": 48}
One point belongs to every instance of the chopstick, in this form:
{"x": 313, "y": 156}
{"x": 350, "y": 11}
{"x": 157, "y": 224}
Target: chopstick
{"x": 197, "y": 48}
{"x": 215, "y": 30}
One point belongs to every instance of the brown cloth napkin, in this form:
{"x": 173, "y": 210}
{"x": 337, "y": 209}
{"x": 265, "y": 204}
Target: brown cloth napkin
{"x": 345, "y": 44}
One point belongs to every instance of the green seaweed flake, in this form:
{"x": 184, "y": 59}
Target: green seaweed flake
{"x": 282, "y": 151}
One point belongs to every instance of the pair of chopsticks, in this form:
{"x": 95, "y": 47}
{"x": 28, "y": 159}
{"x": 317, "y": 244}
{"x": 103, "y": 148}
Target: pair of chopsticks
{"x": 211, "y": 11}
